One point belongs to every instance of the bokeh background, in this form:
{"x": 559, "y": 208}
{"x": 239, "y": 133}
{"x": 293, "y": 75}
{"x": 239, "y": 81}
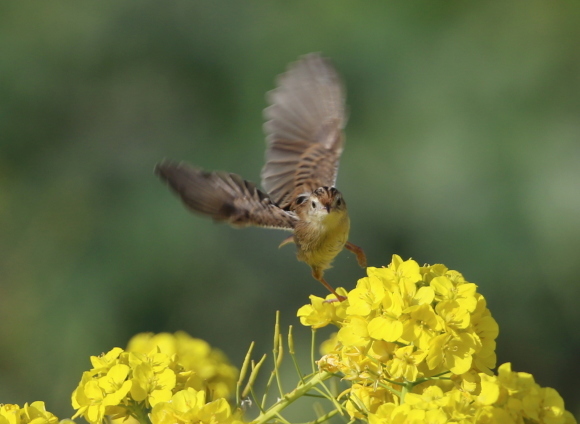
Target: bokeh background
{"x": 463, "y": 148}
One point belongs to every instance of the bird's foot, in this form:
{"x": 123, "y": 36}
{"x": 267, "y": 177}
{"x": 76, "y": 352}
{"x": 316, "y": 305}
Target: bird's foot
{"x": 360, "y": 254}
{"x": 317, "y": 273}
{"x": 339, "y": 298}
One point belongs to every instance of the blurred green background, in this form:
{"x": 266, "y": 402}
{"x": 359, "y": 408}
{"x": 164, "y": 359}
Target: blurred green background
{"x": 463, "y": 148}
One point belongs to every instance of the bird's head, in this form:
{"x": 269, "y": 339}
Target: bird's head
{"x": 319, "y": 204}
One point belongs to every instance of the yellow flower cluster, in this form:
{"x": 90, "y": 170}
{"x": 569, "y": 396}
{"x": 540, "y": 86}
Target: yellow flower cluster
{"x": 152, "y": 371}
{"x": 189, "y": 406}
{"x": 195, "y": 363}
{"x": 418, "y": 345}
{"x": 405, "y": 322}
{"x": 508, "y": 398}
{"x": 34, "y": 413}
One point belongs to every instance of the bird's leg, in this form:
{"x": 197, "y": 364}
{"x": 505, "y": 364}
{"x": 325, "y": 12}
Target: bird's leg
{"x": 360, "y": 254}
{"x": 317, "y": 274}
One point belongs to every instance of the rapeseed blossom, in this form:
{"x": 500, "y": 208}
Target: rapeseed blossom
{"x": 153, "y": 371}
{"x": 35, "y": 413}
{"x": 190, "y": 406}
{"x": 418, "y": 346}
{"x": 434, "y": 319}
{"x": 414, "y": 345}
{"x": 195, "y": 363}
{"x": 496, "y": 403}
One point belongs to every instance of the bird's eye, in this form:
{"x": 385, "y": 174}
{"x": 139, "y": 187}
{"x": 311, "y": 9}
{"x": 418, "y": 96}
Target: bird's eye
{"x": 338, "y": 202}
{"x": 313, "y": 205}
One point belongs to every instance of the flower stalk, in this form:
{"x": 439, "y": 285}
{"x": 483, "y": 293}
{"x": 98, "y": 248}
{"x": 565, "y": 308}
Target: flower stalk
{"x": 288, "y": 398}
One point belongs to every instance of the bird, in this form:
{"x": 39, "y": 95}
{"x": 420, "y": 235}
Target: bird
{"x": 304, "y": 127}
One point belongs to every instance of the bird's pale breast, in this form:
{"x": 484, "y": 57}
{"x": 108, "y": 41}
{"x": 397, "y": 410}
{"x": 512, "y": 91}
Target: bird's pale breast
{"x": 320, "y": 240}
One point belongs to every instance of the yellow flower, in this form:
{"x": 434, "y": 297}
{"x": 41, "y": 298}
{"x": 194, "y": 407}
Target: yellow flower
{"x": 431, "y": 308}
{"x": 385, "y": 327}
{"x": 486, "y": 328}
{"x": 405, "y": 362}
{"x": 398, "y": 275}
{"x": 414, "y": 295}
{"x": 453, "y": 352}
{"x": 428, "y": 272}
{"x": 405, "y": 414}
{"x": 195, "y": 363}
{"x": 436, "y": 416}
{"x": 354, "y": 332}
{"x": 189, "y": 406}
{"x": 431, "y": 398}
{"x": 405, "y": 271}
{"x": 149, "y": 373}
{"x": 320, "y": 312}
{"x": 494, "y": 415}
{"x": 383, "y": 414}
{"x": 329, "y": 345}
{"x": 386, "y": 276}
{"x": 421, "y": 325}
{"x": 9, "y": 414}
{"x": 382, "y": 351}
{"x": 485, "y": 325}
{"x": 331, "y": 362}
{"x": 217, "y": 412}
{"x": 115, "y": 381}
{"x": 35, "y": 413}
{"x": 157, "y": 360}
{"x": 93, "y": 402}
{"x": 514, "y": 382}
{"x": 544, "y": 405}
{"x": 358, "y": 365}
{"x": 463, "y": 293}
{"x": 105, "y": 361}
{"x": 404, "y": 324}
{"x": 365, "y": 399}
{"x": 184, "y": 406}
{"x": 103, "y": 388}
{"x": 145, "y": 343}
{"x": 151, "y": 386}
{"x": 490, "y": 390}
{"x": 460, "y": 409}
{"x": 390, "y": 413}
{"x": 388, "y": 326}
{"x": 367, "y": 296}
{"x": 454, "y": 316}
{"x": 469, "y": 382}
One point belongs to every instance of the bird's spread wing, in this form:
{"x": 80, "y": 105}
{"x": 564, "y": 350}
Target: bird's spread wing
{"x": 304, "y": 127}
{"x": 224, "y": 197}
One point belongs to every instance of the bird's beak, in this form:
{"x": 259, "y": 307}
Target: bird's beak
{"x": 328, "y": 208}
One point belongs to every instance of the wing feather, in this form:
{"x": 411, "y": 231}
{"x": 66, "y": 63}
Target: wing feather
{"x": 304, "y": 127}
{"x": 224, "y": 197}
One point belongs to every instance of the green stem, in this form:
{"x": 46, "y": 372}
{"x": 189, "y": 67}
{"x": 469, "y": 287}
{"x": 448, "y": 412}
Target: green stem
{"x": 140, "y": 414}
{"x": 404, "y": 390}
{"x": 299, "y": 391}
{"x": 390, "y": 389}
{"x": 329, "y": 395}
{"x": 293, "y": 354}
{"x": 433, "y": 377}
{"x": 312, "y": 347}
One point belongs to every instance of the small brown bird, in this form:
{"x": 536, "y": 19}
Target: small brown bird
{"x": 305, "y": 139}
